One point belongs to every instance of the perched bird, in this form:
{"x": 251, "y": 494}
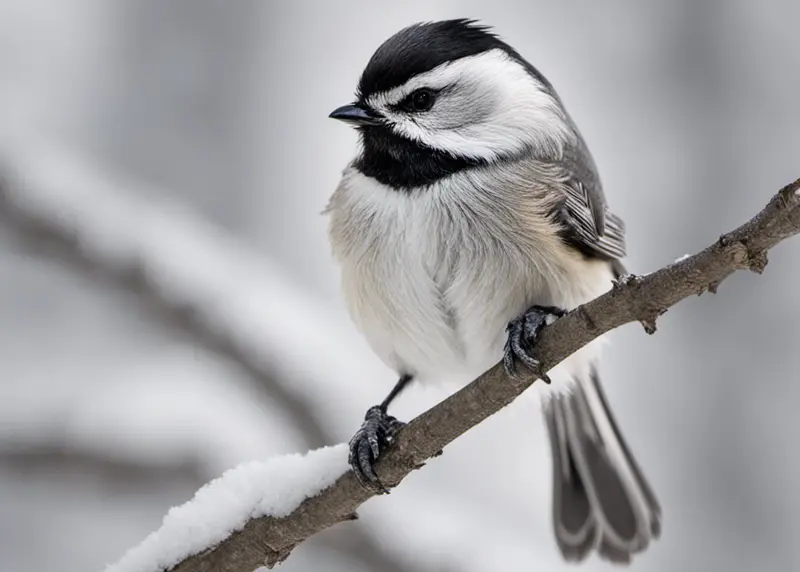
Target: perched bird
{"x": 472, "y": 216}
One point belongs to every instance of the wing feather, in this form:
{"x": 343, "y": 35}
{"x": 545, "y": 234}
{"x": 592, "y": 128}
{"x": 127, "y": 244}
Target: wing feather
{"x": 588, "y": 224}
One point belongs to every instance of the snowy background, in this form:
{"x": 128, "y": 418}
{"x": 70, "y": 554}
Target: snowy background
{"x": 169, "y": 308}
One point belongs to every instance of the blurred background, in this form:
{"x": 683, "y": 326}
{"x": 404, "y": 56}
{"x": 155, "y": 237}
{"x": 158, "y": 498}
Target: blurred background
{"x": 169, "y": 307}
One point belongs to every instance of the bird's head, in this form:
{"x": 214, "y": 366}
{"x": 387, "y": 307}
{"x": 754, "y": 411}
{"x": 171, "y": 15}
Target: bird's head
{"x": 453, "y": 89}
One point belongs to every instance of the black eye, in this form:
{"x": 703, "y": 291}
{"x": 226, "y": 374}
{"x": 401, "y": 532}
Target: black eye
{"x": 420, "y": 100}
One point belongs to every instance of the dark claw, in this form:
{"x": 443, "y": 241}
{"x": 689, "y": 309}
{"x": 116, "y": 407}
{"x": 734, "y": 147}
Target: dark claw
{"x": 370, "y": 441}
{"x": 522, "y": 333}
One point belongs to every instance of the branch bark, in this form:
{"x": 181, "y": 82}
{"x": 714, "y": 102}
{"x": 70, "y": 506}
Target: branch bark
{"x": 268, "y": 540}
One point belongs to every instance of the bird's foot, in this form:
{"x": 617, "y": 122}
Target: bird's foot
{"x": 370, "y": 441}
{"x": 522, "y": 333}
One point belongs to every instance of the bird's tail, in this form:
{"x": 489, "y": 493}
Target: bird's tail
{"x": 601, "y": 499}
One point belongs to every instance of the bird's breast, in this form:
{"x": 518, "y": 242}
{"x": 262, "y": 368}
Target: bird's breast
{"x": 432, "y": 277}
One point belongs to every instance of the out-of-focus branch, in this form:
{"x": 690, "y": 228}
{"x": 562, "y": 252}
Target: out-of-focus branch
{"x": 56, "y": 239}
{"x": 59, "y": 458}
{"x": 269, "y": 540}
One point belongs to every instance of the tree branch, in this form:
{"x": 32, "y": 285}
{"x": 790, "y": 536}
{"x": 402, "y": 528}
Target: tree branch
{"x": 268, "y": 540}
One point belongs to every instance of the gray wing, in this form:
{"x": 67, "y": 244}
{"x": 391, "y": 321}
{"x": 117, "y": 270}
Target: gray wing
{"x": 588, "y": 224}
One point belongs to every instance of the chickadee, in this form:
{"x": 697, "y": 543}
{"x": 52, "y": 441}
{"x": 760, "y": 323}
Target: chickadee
{"x": 472, "y": 216}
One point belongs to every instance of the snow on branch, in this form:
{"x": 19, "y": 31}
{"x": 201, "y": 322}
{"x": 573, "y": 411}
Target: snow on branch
{"x": 269, "y": 539}
{"x": 275, "y": 487}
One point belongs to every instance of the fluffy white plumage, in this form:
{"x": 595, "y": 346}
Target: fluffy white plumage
{"x": 434, "y": 276}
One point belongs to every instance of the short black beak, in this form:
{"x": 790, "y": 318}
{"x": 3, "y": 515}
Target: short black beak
{"x": 356, "y": 114}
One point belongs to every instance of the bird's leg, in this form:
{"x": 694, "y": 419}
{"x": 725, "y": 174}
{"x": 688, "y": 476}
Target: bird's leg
{"x": 521, "y": 342}
{"x": 375, "y": 435}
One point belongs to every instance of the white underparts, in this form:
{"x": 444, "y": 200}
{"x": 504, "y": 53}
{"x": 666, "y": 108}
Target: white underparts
{"x": 432, "y": 277}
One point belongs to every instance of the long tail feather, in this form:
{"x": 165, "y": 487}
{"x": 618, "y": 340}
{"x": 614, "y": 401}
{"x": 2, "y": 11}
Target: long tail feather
{"x": 601, "y": 498}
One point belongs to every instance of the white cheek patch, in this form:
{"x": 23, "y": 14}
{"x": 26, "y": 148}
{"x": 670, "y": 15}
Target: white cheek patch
{"x": 490, "y": 107}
